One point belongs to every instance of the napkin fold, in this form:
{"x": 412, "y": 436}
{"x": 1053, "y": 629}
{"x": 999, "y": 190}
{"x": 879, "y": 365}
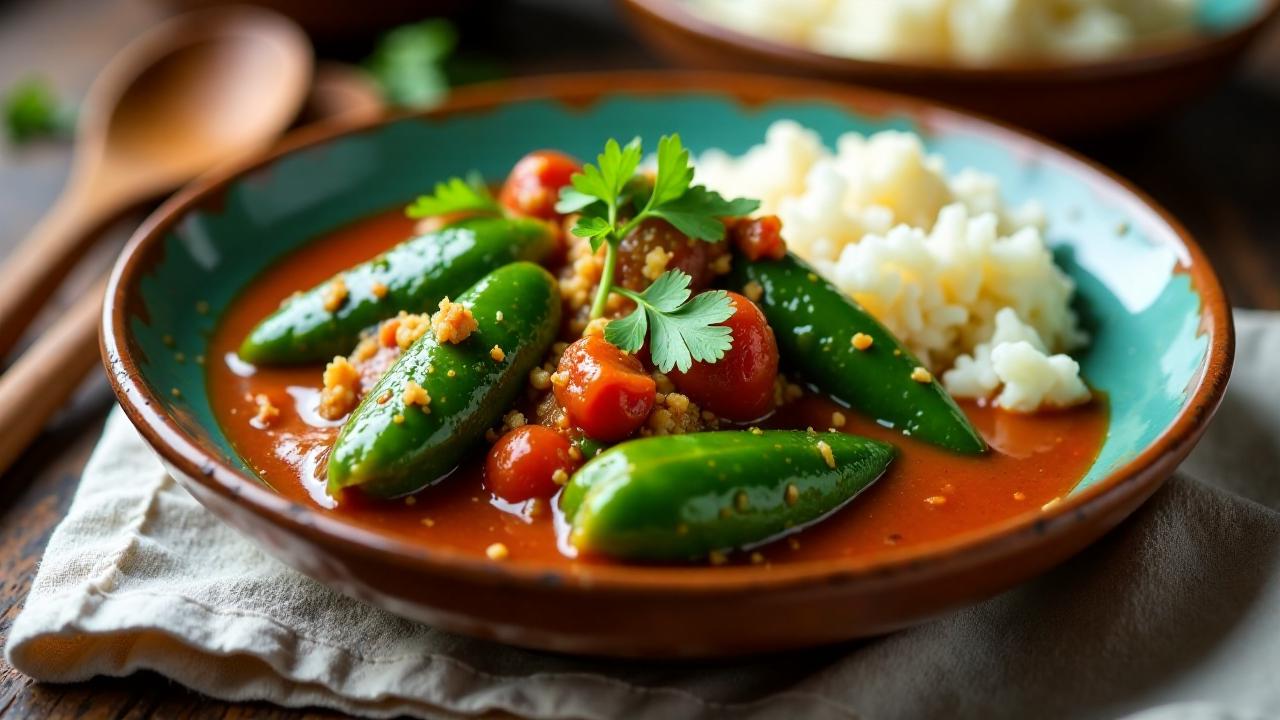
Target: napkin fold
{"x": 1176, "y": 614}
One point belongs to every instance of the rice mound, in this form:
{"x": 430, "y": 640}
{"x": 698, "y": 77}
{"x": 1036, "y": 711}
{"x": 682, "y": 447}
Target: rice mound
{"x": 974, "y": 32}
{"x": 942, "y": 262}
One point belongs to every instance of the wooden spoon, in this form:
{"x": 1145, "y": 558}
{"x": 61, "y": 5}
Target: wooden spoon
{"x": 191, "y": 93}
{"x": 194, "y": 92}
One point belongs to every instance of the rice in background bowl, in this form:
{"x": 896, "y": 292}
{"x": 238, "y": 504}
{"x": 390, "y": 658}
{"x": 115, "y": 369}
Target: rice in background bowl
{"x": 974, "y": 32}
{"x": 966, "y": 282}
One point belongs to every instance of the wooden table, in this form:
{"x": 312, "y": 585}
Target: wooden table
{"x": 1215, "y": 165}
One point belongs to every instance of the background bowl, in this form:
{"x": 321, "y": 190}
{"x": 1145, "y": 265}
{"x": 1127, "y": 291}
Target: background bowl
{"x": 1059, "y": 98}
{"x": 1162, "y": 343}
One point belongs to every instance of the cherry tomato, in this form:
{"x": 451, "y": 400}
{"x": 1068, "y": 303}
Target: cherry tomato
{"x": 758, "y": 238}
{"x": 606, "y": 392}
{"x": 523, "y": 463}
{"x": 533, "y": 187}
{"x": 740, "y": 385}
{"x": 694, "y": 257}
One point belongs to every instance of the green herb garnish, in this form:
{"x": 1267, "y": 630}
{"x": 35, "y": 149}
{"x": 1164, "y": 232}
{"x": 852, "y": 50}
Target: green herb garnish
{"x": 31, "y": 111}
{"x": 453, "y": 196}
{"x": 408, "y": 62}
{"x": 681, "y": 329}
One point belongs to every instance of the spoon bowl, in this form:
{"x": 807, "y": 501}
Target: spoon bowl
{"x": 191, "y": 93}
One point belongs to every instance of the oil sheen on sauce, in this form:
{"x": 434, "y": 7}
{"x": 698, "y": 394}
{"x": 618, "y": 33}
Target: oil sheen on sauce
{"x": 927, "y": 495}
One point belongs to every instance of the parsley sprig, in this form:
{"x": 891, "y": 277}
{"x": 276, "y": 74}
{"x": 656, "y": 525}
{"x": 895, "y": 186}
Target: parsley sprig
{"x": 681, "y": 329}
{"x": 455, "y": 195}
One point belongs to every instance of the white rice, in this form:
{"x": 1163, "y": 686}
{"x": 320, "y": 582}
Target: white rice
{"x": 960, "y": 278}
{"x": 972, "y": 32}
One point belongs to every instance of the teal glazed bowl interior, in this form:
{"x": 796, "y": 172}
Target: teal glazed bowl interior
{"x": 1161, "y": 351}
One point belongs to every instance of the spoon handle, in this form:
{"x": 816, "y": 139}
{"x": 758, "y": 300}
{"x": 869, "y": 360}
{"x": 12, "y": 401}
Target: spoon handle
{"x": 35, "y": 386}
{"x": 34, "y": 270}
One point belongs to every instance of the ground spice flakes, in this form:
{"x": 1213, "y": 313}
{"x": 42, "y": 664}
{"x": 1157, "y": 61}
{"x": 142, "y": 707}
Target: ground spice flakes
{"x": 341, "y": 390}
{"x": 453, "y": 322}
{"x": 415, "y": 394}
{"x": 335, "y": 294}
{"x": 267, "y": 412}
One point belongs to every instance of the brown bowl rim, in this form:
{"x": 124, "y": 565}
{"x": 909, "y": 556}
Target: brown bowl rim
{"x": 1176, "y": 52}
{"x": 1140, "y": 476}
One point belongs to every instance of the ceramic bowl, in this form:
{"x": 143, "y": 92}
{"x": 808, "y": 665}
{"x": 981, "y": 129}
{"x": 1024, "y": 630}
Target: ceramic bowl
{"x": 1058, "y": 98}
{"x": 1161, "y": 350}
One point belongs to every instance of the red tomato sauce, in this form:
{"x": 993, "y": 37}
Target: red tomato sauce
{"x": 928, "y": 494}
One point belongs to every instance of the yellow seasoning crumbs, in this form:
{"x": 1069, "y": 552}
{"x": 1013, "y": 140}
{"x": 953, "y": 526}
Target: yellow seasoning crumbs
{"x": 379, "y": 290}
{"x": 411, "y": 500}
{"x": 497, "y": 354}
{"x": 753, "y": 290}
{"x": 792, "y": 495}
{"x": 498, "y": 316}
{"x": 335, "y": 293}
{"x": 175, "y": 392}
{"x": 861, "y": 341}
{"x": 655, "y": 263}
{"x": 452, "y": 373}
{"x": 384, "y": 397}
{"x": 838, "y": 419}
{"x": 415, "y": 394}
{"x": 397, "y": 419}
{"x": 497, "y": 551}
{"x": 428, "y": 522}
{"x": 756, "y": 431}
{"x": 717, "y": 557}
{"x": 560, "y": 477}
{"x": 827, "y": 455}
{"x": 936, "y": 500}
{"x": 1019, "y": 496}
{"x": 921, "y": 375}
{"x": 267, "y": 412}
{"x": 341, "y": 383}
{"x": 453, "y": 322}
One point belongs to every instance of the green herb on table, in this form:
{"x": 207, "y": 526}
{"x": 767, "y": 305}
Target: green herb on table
{"x": 32, "y": 111}
{"x": 417, "y": 64}
{"x": 681, "y": 329}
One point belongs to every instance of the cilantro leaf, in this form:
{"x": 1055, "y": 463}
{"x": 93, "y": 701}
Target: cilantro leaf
{"x": 681, "y": 330}
{"x": 454, "y": 195}
{"x": 572, "y": 200}
{"x": 697, "y": 212}
{"x": 408, "y": 62}
{"x": 594, "y": 227}
{"x": 674, "y": 171}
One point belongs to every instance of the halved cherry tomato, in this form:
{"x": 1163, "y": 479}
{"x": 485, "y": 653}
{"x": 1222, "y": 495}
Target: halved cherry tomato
{"x": 759, "y": 238}
{"x": 606, "y": 392}
{"x": 533, "y": 187}
{"x": 523, "y": 463}
{"x": 740, "y": 385}
{"x": 694, "y": 257}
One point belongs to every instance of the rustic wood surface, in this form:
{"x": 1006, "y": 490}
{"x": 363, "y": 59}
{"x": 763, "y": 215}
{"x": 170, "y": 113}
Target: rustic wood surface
{"x": 1216, "y": 165}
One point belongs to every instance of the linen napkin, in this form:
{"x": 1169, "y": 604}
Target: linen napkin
{"x": 1176, "y": 614}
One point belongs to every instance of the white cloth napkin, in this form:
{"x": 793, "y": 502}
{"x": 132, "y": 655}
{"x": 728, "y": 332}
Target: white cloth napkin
{"x": 1176, "y": 614}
